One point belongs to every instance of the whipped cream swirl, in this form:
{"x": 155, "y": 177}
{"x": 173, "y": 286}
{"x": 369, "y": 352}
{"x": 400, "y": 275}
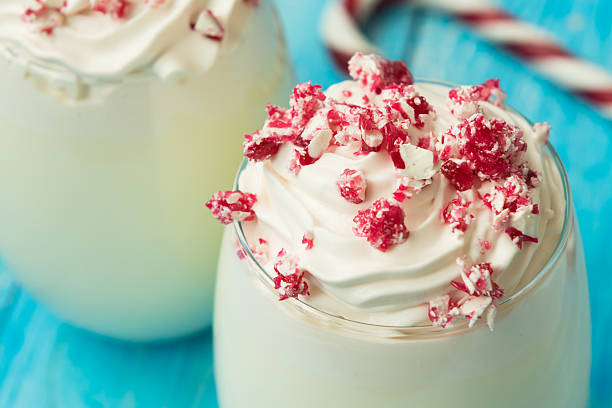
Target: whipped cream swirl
{"x": 348, "y": 275}
{"x": 156, "y": 35}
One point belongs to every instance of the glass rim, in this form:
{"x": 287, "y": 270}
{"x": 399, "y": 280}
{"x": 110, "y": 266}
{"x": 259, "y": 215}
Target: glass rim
{"x": 14, "y": 52}
{"x": 461, "y": 324}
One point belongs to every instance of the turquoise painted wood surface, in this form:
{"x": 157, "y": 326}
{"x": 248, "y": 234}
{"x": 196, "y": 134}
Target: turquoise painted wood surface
{"x": 46, "y": 363}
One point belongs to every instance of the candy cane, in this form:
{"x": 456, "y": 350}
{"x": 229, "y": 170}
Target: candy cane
{"x": 343, "y": 37}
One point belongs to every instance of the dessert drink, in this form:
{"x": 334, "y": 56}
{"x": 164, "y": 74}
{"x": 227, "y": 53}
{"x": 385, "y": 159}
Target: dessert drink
{"x": 397, "y": 243}
{"x": 118, "y": 119}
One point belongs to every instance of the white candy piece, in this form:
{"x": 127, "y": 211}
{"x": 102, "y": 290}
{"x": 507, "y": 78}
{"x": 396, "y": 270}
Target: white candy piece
{"x": 419, "y": 162}
{"x": 319, "y": 142}
{"x": 540, "y": 132}
{"x": 491, "y": 313}
{"x": 207, "y": 24}
{"x": 474, "y": 307}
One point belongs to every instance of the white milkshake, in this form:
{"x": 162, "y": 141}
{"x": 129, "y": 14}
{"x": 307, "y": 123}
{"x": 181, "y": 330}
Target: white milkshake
{"x": 378, "y": 232}
{"x": 114, "y": 130}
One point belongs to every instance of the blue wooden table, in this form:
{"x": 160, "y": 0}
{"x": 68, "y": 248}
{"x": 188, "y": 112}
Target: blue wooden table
{"x": 46, "y": 363}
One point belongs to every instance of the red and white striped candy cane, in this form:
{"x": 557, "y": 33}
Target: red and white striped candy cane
{"x": 343, "y": 37}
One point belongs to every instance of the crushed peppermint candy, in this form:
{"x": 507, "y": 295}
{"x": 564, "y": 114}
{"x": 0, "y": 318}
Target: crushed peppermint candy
{"x": 492, "y": 147}
{"x": 261, "y": 250}
{"x": 464, "y": 100}
{"x": 457, "y": 214}
{"x": 279, "y": 122}
{"x": 305, "y": 101}
{"x": 289, "y": 280}
{"x": 44, "y": 15}
{"x": 240, "y": 252}
{"x": 382, "y": 225}
{"x": 308, "y": 240}
{"x": 518, "y": 237}
{"x": 485, "y": 245}
{"x": 476, "y": 281}
{"x": 513, "y": 195}
{"x": 316, "y": 124}
{"x": 375, "y": 73}
{"x": 261, "y": 145}
{"x": 421, "y": 109}
{"x": 209, "y": 25}
{"x": 481, "y": 292}
{"x": 403, "y": 102}
{"x": 458, "y": 174}
{"x": 408, "y": 187}
{"x": 541, "y": 132}
{"x": 473, "y": 307}
{"x": 230, "y": 206}
{"x": 352, "y": 186}
{"x": 441, "y": 311}
{"x": 114, "y": 8}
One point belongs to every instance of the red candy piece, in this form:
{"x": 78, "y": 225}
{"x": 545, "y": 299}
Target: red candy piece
{"x": 518, "y": 237}
{"x": 305, "y": 101}
{"x": 36, "y": 11}
{"x": 371, "y": 136}
{"x": 230, "y": 206}
{"x": 291, "y": 286}
{"x": 492, "y": 147}
{"x": 441, "y": 311}
{"x": 395, "y": 138}
{"x": 477, "y": 281}
{"x": 336, "y": 120}
{"x": 459, "y": 175}
{"x": 375, "y": 73}
{"x": 240, "y": 252}
{"x": 43, "y": 18}
{"x": 421, "y": 107}
{"x": 513, "y": 196}
{"x": 401, "y": 99}
{"x": 304, "y": 158}
{"x": 457, "y": 214}
{"x": 408, "y": 187}
{"x": 261, "y": 145}
{"x": 485, "y": 245}
{"x": 532, "y": 178}
{"x": 382, "y": 225}
{"x": 308, "y": 241}
{"x": 481, "y": 92}
{"x": 114, "y": 8}
{"x": 260, "y": 250}
{"x": 210, "y": 26}
{"x": 289, "y": 280}
{"x": 279, "y": 120}
{"x": 352, "y": 185}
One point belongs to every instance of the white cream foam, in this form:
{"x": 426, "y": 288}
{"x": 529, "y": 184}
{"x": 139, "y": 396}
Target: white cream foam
{"x": 353, "y": 279}
{"x": 161, "y": 39}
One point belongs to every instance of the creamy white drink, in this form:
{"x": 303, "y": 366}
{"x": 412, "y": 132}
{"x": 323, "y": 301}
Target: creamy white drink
{"x": 400, "y": 244}
{"x": 114, "y": 130}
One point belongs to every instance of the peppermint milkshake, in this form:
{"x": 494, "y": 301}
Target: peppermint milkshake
{"x": 398, "y": 243}
{"x": 118, "y": 120}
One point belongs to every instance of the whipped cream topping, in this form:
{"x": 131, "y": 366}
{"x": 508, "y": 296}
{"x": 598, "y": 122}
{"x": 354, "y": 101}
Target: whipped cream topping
{"x": 115, "y": 37}
{"x": 417, "y": 202}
